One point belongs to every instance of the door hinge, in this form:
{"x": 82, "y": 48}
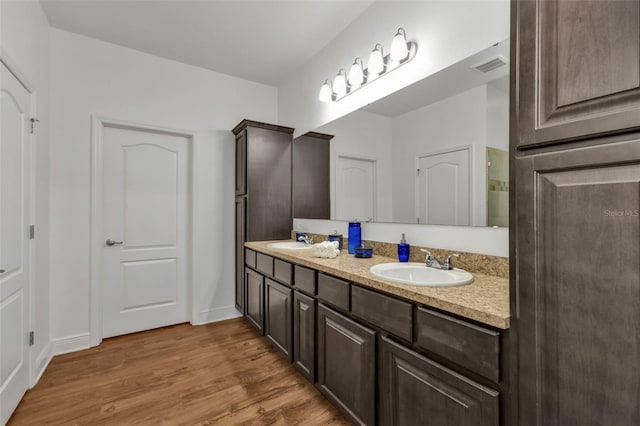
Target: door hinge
{"x": 32, "y": 338}
{"x": 33, "y": 125}
{"x": 32, "y": 232}
{"x": 417, "y": 172}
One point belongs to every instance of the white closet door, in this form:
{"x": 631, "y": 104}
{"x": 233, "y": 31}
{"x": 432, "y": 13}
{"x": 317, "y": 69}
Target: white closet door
{"x": 356, "y": 187}
{"x": 15, "y": 105}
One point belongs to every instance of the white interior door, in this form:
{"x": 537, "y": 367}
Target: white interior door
{"x": 145, "y": 195}
{"x": 15, "y": 106}
{"x": 444, "y": 188}
{"x": 355, "y": 188}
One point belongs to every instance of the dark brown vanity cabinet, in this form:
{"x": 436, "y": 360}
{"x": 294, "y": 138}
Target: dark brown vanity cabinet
{"x": 575, "y": 227}
{"x": 414, "y": 390}
{"x": 278, "y": 301}
{"x": 311, "y": 176}
{"x": 304, "y": 335}
{"x": 263, "y": 188}
{"x": 254, "y": 286}
{"x": 347, "y": 364}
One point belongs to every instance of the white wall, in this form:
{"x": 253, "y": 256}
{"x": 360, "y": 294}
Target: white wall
{"x": 446, "y": 32}
{"x": 369, "y": 135}
{"x": 497, "y": 118}
{"x": 90, "y": 77}
{"x": 460, "y": 120}
{"x": 24, "y": 47}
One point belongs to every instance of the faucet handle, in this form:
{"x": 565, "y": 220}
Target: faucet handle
{"x": 447, "y": 262}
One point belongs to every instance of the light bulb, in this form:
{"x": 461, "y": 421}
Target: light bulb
{"x": 325, "y": 92}
{"x": 399, "y": 49}
{"x": 340, "y": 84}
{"x": 356, "y": 75}
{"x": 376, "y": 61}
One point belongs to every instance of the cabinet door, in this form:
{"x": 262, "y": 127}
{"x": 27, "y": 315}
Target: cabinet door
{"x": 240, "y": 238}
{"x": 577, "y": 297}
{"x": 311, "y": 176}
{"x": 278, "y": 325}
{"x": 254, "y": 289}
{"x": 346, "y": 365}
{"x": 241, "y": 163}
{"x": 304, "y": 335}
{"x": 578, "y": 66}
{"x": 414, "y": 390}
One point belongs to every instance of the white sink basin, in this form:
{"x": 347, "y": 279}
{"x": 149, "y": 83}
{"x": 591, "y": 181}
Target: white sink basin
{"x": 290, "y": 245}
{"x": 418, "y": 274}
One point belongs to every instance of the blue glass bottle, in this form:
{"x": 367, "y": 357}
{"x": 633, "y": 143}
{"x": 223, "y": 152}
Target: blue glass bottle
{"x": 404, "y": 250}
{"x": 355, "y": 236}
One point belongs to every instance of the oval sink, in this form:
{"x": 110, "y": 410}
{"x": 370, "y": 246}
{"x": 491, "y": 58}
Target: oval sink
{"x": 420, "y": 275}
{"x": 290, "y": 245}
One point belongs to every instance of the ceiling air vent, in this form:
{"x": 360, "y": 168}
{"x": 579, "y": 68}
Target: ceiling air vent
{"x": 491, "y": 64}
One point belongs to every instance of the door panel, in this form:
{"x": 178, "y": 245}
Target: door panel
{"x": 579, "y": 69}
{"x": 579, "y": 286}
{"x": 145, "y": 208}
{"x": 444, "y": 188}
{"x": 356, "y": 188}
{"x": 304, "y": 335}
{"x": 278, "y": 301}
{"x": 15, "y": 105}
{"x": 254, "y": 290}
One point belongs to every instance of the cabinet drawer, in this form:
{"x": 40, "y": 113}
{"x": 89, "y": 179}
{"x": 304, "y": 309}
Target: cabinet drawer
{"x": 388, "y": 313}
{"x": 282, "y": 271}
{"x": 250, "y": 258}
{"x": 334, "y": 291}
{"x": 468, "y": 345}
{"x": 305, "y": 280}
{"x": 264, "y": 264}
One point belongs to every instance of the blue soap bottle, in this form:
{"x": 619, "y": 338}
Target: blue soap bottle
{"x": 355, "y": 236}
{"x": 404, "y": 250}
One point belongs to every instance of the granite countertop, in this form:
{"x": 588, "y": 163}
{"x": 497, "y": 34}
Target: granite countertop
{"x": 486, "y": 300}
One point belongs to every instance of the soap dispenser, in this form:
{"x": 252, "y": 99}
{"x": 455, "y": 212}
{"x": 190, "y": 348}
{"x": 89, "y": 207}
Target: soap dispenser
{"x": 404, "y": 250}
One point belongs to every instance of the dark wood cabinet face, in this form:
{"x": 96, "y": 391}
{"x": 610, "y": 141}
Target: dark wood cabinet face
{"x": 254, "y": 287}
{"x": 278, "y": 325}
{"x": 579, "y": 286}
{"x": 346, "y": 365}
{"x": 414, "y": 390}
{"x": 311, "y": 198}
{"x": 269, "y": 205}
{"x": 241, "y": 163}
{"x": 304, "y": 335}
{"x": 578, "y": 68}
{"x": 240, "y": 233}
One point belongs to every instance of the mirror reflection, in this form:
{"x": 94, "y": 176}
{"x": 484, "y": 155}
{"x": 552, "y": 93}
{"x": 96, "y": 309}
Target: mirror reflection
{"x": 435, "y": 152}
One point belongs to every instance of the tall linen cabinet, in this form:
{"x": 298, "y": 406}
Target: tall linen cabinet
{"x": 263, "y": 190}
{"x": 575, "y": 203}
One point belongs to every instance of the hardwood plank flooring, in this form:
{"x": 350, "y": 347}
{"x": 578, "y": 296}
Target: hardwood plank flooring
{"x": 220, "y": 373}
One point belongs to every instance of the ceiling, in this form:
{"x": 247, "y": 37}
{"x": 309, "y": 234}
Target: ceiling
{"x": 262, "y": 41}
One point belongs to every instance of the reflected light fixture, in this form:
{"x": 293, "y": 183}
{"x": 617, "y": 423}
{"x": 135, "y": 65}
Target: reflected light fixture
{"x": 376, "y": 61}
{"x": 356, "y": 74}
{"x": 401, "y": 52}
{"x": 399, "y": 48}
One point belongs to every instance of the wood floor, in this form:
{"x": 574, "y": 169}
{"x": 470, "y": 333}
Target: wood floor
{"x": 221, "y": 373}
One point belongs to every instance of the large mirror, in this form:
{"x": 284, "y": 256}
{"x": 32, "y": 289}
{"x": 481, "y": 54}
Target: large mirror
{"x": 435, "y": 152}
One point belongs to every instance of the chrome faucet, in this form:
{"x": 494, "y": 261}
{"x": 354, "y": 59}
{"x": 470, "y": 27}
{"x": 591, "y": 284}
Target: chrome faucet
{"x": 306, "y": 239}
{"x": 432, "y": 262}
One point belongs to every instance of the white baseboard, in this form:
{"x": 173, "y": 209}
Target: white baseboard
{"x": 73, "y": 343}
{"x": 42, "y": 361}
{"x": 217, "y": 314}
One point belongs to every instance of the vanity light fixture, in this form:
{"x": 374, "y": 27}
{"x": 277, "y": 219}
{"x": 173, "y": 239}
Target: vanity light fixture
{"x": 376, "y": 61}
{"x": 326, "y": 94}
{"x": 401, "y": 52}
{"x": 356, "y": 74}
{"x": 399, "y": 48}
{"x": 340, "y": 84}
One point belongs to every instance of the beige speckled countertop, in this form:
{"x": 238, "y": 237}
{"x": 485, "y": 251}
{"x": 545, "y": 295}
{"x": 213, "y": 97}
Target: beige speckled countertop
{"x": 486, "y": 300}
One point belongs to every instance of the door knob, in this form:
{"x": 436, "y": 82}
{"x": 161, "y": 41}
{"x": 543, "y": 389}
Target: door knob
{"x": 2, "y": 271}
{"x": 112, "y": 242}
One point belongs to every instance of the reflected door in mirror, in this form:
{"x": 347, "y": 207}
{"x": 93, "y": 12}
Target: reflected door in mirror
{"x": 443, "y": 188}
{"x": 356, "y": 186}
